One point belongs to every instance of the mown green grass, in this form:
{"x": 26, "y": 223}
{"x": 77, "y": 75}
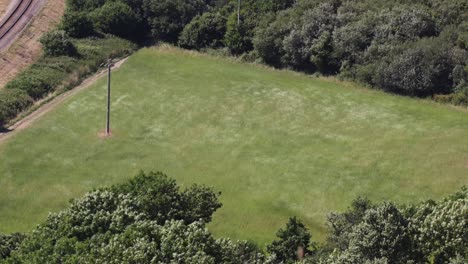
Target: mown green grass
{"x": 276, "y": 144}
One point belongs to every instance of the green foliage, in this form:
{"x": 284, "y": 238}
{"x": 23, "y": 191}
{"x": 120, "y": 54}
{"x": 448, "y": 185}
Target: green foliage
{"x": 399, "y": 46}
{"x": 295, "y": 235}
{"x": 161, "y": 200}
{"x": 84, "y": 5}
{"x": 120, "y": 225}
{"x": 115, "y": 18}
{"x": 205, "y": 31}
{"x": 52, "y": 72}
{"x": 12, "y": 102}
{"x": 225, "y": 98}
{"x": 167, "y": 18}
{"x": 9, "y": 243}
{"x": 441, "y": 229}
{"x": 423, "y": 70}
{"x": 340, "y": 225}
{"x": 269, "y": 36}
{"x": 239, "y": 36}
{"x": 77, "y": 24}
{"x": 426, "y": 233}
{"x": 117, "y": 225}
{"x": 57, "y": 43}
{"x": 382, "y": 234}
{"x": 385, "y": 44}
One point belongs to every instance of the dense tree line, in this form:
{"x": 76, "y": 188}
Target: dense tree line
{"x": 416, "y": 48}
{"x": 150, "y": 219}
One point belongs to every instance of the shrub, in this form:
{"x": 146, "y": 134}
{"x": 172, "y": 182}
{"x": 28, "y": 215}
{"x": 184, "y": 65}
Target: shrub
{"x": 37, "y": 81}
{"x": 205, "y": 31}
{"x": 115, "y": 18}
{"x": 57, "y": 43}
{"x": 12, "y": 102}
{"x": 77, "y": 24}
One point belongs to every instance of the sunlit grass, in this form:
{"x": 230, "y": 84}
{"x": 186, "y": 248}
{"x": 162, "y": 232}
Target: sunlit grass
{"x": 276, "y": 143}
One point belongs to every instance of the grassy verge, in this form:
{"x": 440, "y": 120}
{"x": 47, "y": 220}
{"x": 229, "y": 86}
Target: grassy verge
{"x": 52, "y": 75}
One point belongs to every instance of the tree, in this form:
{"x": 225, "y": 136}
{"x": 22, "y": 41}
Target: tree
{"x": 382, "y": 236}
{"x": 419, "y": 71}
{"x": 115, "y": 18}
{"x": 441, "y": 229}
{"x": 145, "y": 220}
{"x": 340, "y": 225}
{"x": 205, "y": 31}
{"x": 295, "y": 235}
{"x": 77, "y": 24}
{"x": 270, "y": 34}
{"x": 239, "y": 36}
{"x": 167, "y": 18}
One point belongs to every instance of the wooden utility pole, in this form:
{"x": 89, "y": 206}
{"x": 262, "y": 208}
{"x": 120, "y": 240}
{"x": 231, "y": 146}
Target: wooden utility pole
{"x": 238, "y": 12}
{"x": 109, "y": 66}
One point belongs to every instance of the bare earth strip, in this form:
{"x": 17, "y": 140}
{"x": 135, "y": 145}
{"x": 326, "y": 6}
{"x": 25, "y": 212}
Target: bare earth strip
{"x": 47, "y": 107}
{"x": 3, "y": 7}
{"x": 26, "y": 49}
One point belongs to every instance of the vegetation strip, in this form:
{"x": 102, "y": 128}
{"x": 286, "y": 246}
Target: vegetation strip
{"x": 29, "y": 118}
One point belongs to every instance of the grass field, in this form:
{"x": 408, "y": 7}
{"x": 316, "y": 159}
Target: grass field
{"x": 276, "y": 143}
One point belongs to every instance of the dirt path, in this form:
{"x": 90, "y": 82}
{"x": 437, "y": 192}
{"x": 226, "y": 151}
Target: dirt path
{"x": 26, "y": 48}
{"x": 3, "y": 7}
{"x": 47, "y": 107}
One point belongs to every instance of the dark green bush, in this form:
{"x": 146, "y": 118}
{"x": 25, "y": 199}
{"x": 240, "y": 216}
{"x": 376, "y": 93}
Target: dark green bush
{"x": 115, "y": 18}
{"x": 167, "y": 18}
{"x": 12, "y": 102}
{"x": 57, "y": 43}
{"x": 239, "y": 37}
{"x": 458, "y": 98}
{"x": 77, "y": 24}
{"x": 37, "y": 81}
{"x": 8, "y": 243}
{"x": 205, "y": 31}
{"x": 84, "y": 5}
{"x": 420, "y": 71}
